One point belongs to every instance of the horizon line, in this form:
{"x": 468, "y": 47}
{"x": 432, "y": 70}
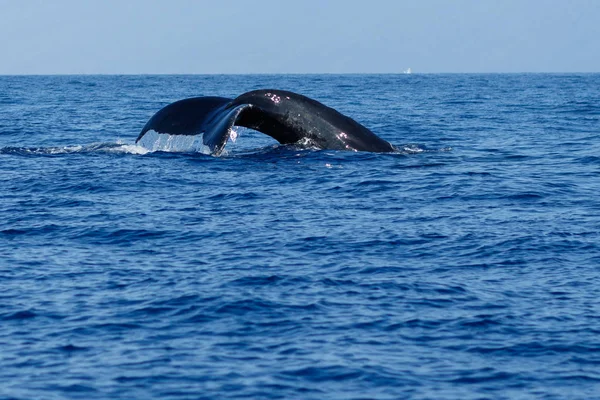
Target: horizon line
{"x": 289, "y": 73}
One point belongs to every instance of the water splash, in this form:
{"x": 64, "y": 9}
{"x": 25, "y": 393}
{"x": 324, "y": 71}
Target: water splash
{"x": 153, "y": 141}
{"x": 307, "y": 144}
{"x": 128, "y": 149}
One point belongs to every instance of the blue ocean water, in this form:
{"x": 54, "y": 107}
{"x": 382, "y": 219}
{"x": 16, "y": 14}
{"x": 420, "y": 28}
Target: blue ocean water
{"x": 467, "y": 266}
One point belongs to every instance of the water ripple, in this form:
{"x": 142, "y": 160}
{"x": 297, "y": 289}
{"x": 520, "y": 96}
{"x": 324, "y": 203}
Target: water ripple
{"x": 464, "y": 266}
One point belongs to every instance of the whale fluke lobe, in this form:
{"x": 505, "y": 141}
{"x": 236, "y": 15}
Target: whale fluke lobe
{"x": 285, "y": 116}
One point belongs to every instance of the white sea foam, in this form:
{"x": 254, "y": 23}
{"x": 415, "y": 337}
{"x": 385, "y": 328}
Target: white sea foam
{"x": 415, "y": 149}
{"x": 64, "y": 149}
{"x": 412, "y": 149}
{"x": 44, "y": 150}
{"x": 128, "y": 149}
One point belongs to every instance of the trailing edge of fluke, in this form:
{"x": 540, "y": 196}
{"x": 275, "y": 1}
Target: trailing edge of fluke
{"x": 285, "y": 116}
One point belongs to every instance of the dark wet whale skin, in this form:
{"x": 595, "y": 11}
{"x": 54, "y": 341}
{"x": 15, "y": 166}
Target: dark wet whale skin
{"x": 285, "y": 116}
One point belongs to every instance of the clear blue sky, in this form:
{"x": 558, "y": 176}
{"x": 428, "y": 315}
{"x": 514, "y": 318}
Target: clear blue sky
{"x": 298, "y": 36}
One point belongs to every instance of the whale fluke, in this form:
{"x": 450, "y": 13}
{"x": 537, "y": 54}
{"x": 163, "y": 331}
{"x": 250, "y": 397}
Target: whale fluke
{"x": 285, "y": 116}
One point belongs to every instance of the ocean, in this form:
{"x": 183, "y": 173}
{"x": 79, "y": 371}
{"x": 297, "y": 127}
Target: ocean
{"x": 464, "y": 266}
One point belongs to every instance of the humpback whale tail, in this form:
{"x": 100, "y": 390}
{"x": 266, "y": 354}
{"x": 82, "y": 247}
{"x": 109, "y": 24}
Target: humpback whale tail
{"x": 285, "y": 116}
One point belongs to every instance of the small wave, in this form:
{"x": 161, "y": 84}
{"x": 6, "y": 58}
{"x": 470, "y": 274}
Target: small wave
{"x": 70, "y": 348}
{"x": 19, "y": 315}
{"x": 76, "y": 149}
{"x": 25, "y": 151}
{"x": 413, "y": 148}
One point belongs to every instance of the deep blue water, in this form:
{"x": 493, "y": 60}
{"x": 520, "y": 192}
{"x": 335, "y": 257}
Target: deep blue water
{"x": 467, "y": 266}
